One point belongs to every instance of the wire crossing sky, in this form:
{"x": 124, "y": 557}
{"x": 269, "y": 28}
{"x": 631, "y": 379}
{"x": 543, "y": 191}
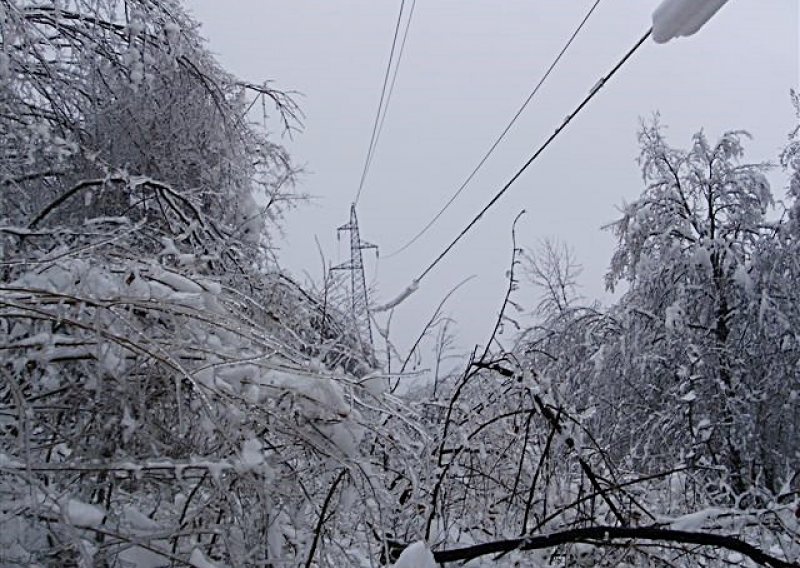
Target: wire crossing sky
{"x": 466, "y": 69}
{"x": 596, "y": 89}
{"x": 380, "y": 115}
{"x": 500, "y": 138}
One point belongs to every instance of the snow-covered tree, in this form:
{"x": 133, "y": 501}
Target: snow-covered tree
{"x": 93, "y": 93}
{"x": 681, "y": 367}
{"x": 167, "y": 395}
{"x": 679, "y": 396}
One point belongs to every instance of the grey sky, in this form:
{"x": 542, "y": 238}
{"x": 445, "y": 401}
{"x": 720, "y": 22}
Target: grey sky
{"x": 468, "y": 66}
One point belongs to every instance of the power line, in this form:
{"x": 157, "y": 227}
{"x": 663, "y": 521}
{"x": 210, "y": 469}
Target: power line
{"x": 373, "y": 136}
{"x": 394, "y": 75}
{"x": 381, "y": 112}
{"x": 500, "y": 138}
{"x": 596, "y": 89}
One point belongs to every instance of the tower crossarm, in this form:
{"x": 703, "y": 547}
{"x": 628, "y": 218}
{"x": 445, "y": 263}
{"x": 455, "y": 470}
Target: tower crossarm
{"x": 359, "y": 302}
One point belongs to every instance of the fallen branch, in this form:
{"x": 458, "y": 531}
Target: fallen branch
{"x": 604, "y": 535}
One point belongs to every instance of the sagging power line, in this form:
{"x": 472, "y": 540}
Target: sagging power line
{"x": 502, "y": 135}
{"x": 592, "y": 94}
{"x": 385, "y": 98}
{"x": 596, "y": 89}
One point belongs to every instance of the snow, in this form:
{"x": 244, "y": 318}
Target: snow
{"x": 252, "y": 453}
{"x": 599, "y": 359}
{"x": 138, "y": 521}
{"x": 199, "y": 560}
{"x": 676, "y": 18}
{"x": 413, "y": 287}
{"x": 375, "y": 383}
{"x": 137, "y": 74}
{"x": 128, "y": 423}
{"x": 135, "y": 27}
{"x": 742, "y": 278}
{"x": 704, "y": 424}
{"x": 673, "y": 316}
{"x": 695, "y": 521}
{"x": 584, "y": 554}
{"x": 319, "y": 396}
{"x": 176, "y": 281}
{"x": 702, "y": 258}
{"x": 83, "y": 515}
{"x": 5, "y": 66}
{"x": 142, "y": 558}
{"x": 172, "y": 29}
{"x": 416, "y": 555}
{"x": 118, "y": 220}
{"x": 7, "y": 462}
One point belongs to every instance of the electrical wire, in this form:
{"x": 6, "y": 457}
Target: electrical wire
{"x": 378, "y": 122}
{"x": 500, "y": 138}
{"x": 394, "y": 75}
{"x": 596, "y": 89}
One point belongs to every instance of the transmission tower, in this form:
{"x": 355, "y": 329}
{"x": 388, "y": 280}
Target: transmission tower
{"x": 358, "y": 282}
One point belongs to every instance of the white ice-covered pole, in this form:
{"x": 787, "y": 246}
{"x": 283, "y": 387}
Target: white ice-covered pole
{"x": 681, "y": 18}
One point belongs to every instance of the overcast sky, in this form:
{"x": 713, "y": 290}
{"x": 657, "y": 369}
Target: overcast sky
{"x": 467, "y": 67}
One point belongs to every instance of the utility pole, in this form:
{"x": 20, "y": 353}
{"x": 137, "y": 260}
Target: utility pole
{"x": 358, "y": 282}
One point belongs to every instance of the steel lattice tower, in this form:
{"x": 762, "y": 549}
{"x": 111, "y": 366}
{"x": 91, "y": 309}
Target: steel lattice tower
{"x": 358, "y": 281}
